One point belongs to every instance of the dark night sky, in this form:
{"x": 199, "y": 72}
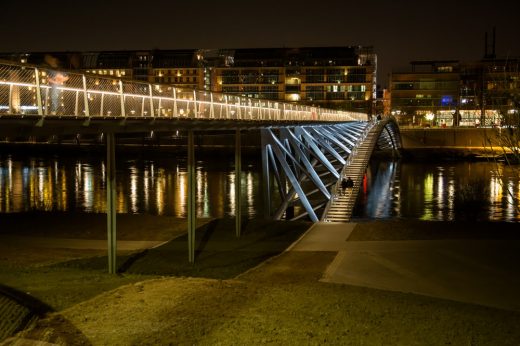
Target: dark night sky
{"x": 399, "y": 30}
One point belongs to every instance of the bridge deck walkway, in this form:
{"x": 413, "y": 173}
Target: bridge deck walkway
{"x": 342, "y": 204}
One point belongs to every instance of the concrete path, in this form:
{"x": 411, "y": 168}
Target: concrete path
{"x": 485, "y": 272}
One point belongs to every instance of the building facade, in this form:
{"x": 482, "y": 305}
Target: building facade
{"x": 453, "y": 93}
{"x": 331, "y": 77}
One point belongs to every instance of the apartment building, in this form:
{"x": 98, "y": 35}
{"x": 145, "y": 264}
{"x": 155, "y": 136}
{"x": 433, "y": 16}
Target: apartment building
{"x": 332, "y": 77}
{"x": 454, "y": 93}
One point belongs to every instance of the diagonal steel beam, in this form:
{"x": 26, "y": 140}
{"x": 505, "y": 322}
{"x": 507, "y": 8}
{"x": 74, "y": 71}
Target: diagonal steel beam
{"x": 309, "y": 167}
{"x": 327, "y": 146}
{"x": 295, "y": 184}
{"x": 317, "y": 151}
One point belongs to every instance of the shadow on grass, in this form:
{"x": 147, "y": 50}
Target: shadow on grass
{"x": 219, "y": 253}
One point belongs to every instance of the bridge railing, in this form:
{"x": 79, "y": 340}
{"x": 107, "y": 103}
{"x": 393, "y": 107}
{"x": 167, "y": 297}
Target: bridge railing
{"x": 26, "y": 89}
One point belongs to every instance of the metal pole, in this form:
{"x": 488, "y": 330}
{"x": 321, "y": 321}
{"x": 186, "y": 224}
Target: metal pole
{"x": 266, "y": 184}
{"x": 238, "y": 183}
{"x": 122, "y": 96}
{"x": 102, "y": 104}
{"x": 11, "y": 108}
{"x": 175, "y": 114}
{"x": 192, "y": 217}
{"x": 152, "y": 110}
{"x": 76, "y": 103}
{"x": 38, "y": 92}
{"x": 195, "y": 110}
{"x": 85, "y": 96}
{"x": 111, "y": 203}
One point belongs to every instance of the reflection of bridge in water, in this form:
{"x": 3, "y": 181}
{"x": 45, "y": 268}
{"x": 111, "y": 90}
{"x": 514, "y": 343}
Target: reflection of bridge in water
{"x": 305, "y": 150}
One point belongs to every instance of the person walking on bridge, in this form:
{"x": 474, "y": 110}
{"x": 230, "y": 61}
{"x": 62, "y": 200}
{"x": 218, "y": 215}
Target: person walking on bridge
{"x": 347, "y": 184}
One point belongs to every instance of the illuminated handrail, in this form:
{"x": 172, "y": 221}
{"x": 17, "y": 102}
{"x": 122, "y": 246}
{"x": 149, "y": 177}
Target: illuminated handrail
{"x": 26, "y": 89}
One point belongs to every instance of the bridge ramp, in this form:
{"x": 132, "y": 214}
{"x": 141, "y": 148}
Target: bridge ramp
{"x": 342, "y": 203}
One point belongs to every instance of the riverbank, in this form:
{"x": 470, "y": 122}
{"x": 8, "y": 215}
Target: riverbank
{"x": 282, "y": 301}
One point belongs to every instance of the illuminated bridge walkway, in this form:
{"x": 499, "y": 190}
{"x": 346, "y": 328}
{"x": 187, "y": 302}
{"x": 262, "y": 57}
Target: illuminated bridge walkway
{"x": 383, "y": 134}
{"x": 94, "y": 101}
{"x": 304, "y": 149}
{"x": 307, "y": 164}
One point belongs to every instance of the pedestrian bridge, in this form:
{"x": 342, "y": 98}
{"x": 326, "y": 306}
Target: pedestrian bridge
{"x": 305, "y": 150}
{"x": 304, "y": 166}
{"x": 69, "y": 99}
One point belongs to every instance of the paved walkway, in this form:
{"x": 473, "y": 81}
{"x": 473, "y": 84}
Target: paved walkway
{"x": 485, "y": 272}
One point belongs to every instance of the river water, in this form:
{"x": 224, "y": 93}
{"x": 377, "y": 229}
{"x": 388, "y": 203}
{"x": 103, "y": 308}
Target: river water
{"x": 426, "y": 191}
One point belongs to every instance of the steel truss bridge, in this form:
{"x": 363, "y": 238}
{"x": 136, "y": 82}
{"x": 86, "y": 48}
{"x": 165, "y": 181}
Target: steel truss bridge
{"x": 305, "y": 150}
{"x": 305, "y": 165}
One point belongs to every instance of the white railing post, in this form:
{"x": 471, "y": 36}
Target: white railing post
{"x": 38, "y": 92}
{"x": 175, "y": 114}
{"x": 10, "y": 105}
{"x": 102, "y": 104}
{"x": 76, "y": 103}
{"x": 220, "y": 115}
{"x": 152, "y": 110}
{"x": 195, "y": 110}
{"x": 227, "y": 106}
{"x": 85, "y": 96}
{"x": 211, "y": 110}
{"x": 122, "y": 96}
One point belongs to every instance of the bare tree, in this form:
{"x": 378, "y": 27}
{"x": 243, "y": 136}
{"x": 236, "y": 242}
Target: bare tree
{"x": 503, "y": 95}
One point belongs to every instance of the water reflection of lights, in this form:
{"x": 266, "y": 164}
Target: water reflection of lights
{"x": 428, "y": 197}
{"x": 250, "y": 193}
{"x": 495, "y": 195}
{"x": 182, "y": 187}
{"x": 88, "y": 191}
{"x": 495, "y": 188}
{"x": 63, "y": 191}
{"x": 103, "y": 173}
{"x": 77, "y": 179}
{"x": 451, "y": 197}
{"x": 55, "y": 165}
{"x": 439, "y": 195}
{"x": 378, "y": 196}
{"x": 202, "y": 193}
{"x": 146, "y": 188}
{"x": 160, "y": 188}
{"x": 134, "y": 173}
{"x": 231, "y": 193}
{"x": 510, "y": 208}
{"x": 40, "y": 179}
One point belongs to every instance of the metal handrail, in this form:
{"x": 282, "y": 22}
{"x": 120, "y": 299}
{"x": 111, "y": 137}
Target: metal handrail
{"x": 27, "y": 89}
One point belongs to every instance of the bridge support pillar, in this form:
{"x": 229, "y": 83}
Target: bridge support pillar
{"x": 238, "y": 184}
{"x": 111, "y": 203}
{"x": 266, "y": 183}
{"x": 192, "y": 211}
